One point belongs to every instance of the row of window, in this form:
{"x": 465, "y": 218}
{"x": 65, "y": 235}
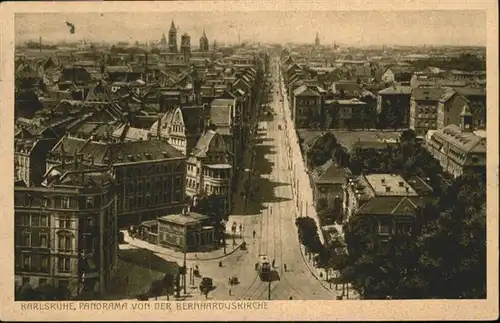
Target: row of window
{"x": 148, "y": 200}
{"x": 150, "y": 169}
{"x": 157, "y": 183}
{"x": 27, "y": 263}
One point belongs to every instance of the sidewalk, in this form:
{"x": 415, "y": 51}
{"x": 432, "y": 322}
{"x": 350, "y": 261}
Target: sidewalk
{"x": 320, "y": 275}
{"x": 197, "y": 256}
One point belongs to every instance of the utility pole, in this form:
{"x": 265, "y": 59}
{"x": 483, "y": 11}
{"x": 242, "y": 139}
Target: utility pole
{"x": 184, "y": 269}
{"x": 269, "y": 290}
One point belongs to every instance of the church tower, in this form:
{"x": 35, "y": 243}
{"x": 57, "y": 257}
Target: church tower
{"x": 316, "y": 41}
{"x": 203, "y": 42}
{"x": 163, "y": 42}
{"x": 172, "y": 38}
{"x": 466, "y": 119}
{"x": 186, "y": 46}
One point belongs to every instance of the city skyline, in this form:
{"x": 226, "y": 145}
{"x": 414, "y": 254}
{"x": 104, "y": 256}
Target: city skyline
{"x": 352, "y": 28}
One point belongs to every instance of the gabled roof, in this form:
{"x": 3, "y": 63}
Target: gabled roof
{"x": 304, "y": 90}
{"x": 329, "y": 173}
{"x": 201, "y": 148}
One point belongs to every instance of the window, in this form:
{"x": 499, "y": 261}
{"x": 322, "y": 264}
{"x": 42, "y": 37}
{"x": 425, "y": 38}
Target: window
{"x": 35, "y": 220}
{"x": 26, "y": 260}
{"x": 90, "y": 201}
{"x": 44, "y": 265}
{"x": 43, "y": 240}
{"x": 89, "y": 223}
{"x": 64, "y": 243}
{"x": 404, "y": 228}
{"x": 65, "y": 202}
{"x": 25, "y": 220}
{"x": 26, "y": 239}
{"x": 64, "y": 264}
{"x": 178, "y": 195}
{"x": 44, "y": 221}
{"x": 384, "y": 228}
{"x": 65, "y": 223}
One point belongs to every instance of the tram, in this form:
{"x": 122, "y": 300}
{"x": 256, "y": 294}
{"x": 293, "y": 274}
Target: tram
{"x": 264, "y": 267}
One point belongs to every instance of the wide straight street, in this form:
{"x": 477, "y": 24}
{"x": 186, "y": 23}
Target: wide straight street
{"x": 276, "y": 233}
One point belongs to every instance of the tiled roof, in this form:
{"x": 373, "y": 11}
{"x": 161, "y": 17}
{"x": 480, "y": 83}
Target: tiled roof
{"x": 391, "y": 205}
{"x": 201, "y": 148}
{"x": 304, "y": 90}
{"x": 467, "y": 141}
{"x": 329, "y": 173}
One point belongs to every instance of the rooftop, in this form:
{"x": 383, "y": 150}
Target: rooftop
{"x": 182, "y": 219}
{"x": 390, "y": 185}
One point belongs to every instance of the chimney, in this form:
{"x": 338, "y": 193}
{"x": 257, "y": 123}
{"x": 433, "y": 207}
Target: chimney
{"x": 382, "y": 180}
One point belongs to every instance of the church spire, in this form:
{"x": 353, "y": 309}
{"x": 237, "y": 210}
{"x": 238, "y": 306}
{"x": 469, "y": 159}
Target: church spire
{"x": 172, "y": 27}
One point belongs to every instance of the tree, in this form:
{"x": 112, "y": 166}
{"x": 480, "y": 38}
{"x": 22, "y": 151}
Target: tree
{"x": 443, "y": 256}
{"x": 308, "y": 234}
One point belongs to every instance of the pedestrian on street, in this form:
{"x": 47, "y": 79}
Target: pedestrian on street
{"x": 229, "y": 291}
{"x": 273, "y": 263}
{"x": 284, "y": 266}
{"x": 254, "y": 234}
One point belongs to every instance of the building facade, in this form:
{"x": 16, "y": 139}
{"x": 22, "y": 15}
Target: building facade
{"x": 66, "y": 231}
{"x": 424, "y": 109}
{"x": 187, "y": 231}
{"x": 386, "y": 203}
{"x": 457, "y": 148}
{"x": 209, "y": 170}
{"x": 149, "y": 175}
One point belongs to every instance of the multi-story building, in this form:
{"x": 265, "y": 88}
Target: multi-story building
{"x": 348, "y": 114}
{"x": 385, "y": 202}
{"x": 66, "y": 230}
{"x": 306, "y": 107}
{"x": 458, "y": 149}
{"x": 452, "y": 102}
{"x": 424, "y": 109}
{"x": 393, "y": 106}
{"x": 209, "y": 169}
{"x": 149, "y": 174}
{"x": 328, "y": 181}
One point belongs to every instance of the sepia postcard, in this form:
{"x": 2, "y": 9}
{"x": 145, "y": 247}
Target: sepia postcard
{"x": 249, "y": 160}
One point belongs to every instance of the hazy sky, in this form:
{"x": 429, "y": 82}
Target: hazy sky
{"x": 346, "y": 27}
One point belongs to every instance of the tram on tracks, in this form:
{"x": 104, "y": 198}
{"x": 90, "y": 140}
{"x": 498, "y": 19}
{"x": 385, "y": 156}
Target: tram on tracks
{"x": 264, "y": 267}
